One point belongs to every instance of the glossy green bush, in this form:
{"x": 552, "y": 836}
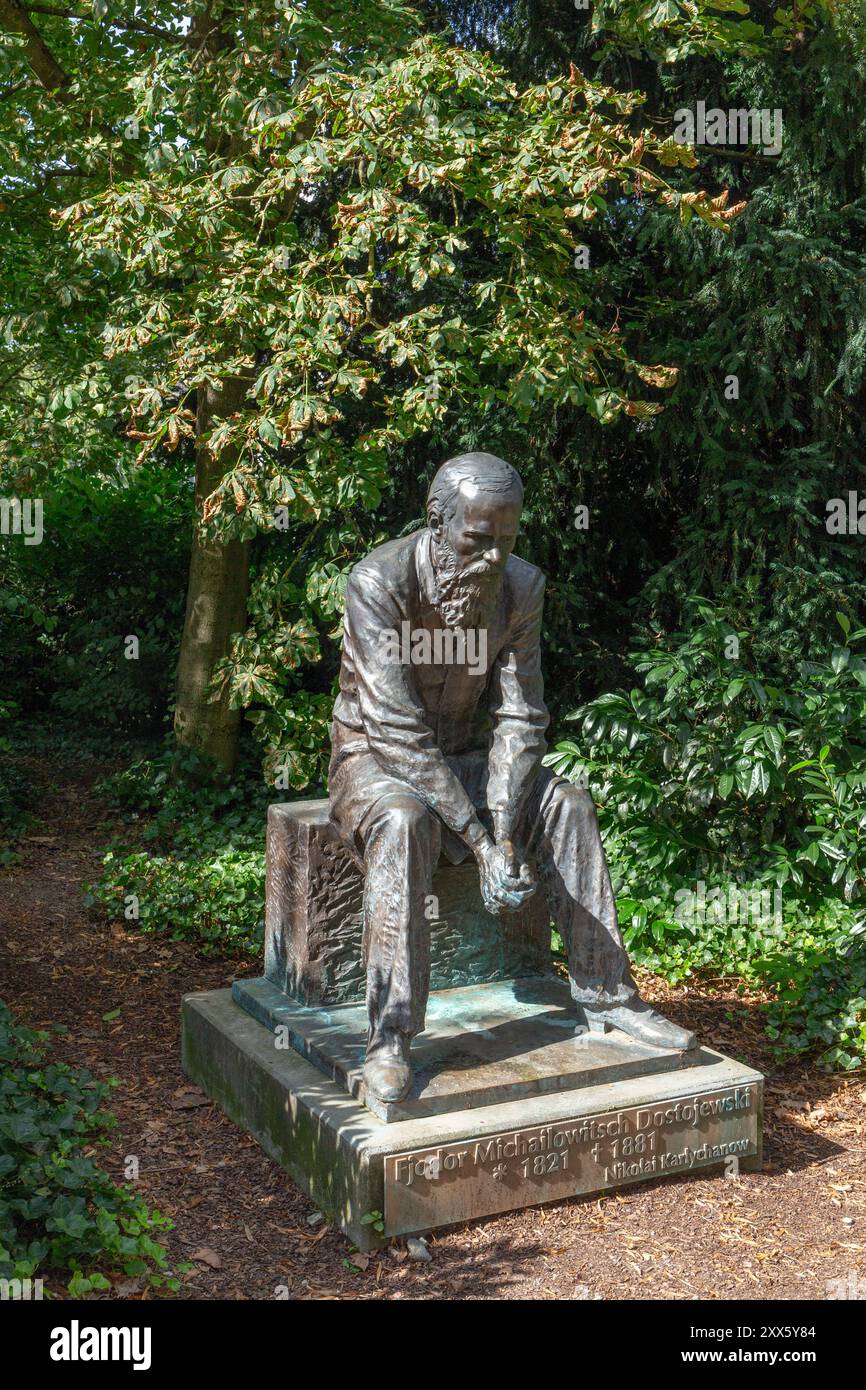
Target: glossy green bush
{"x": 202, "y": 876}
{"x": 216, "y": 900}
{"x": 723, "y": 772}
{"x": 58, "y": 1209}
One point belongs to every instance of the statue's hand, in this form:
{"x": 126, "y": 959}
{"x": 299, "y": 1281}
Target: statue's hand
{"x": 504, "y": 887}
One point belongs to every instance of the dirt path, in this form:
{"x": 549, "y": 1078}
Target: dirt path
{"x": 779, "y": 1234}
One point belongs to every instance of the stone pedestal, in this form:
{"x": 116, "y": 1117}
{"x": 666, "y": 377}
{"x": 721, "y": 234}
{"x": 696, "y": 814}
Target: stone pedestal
{"x": 420, "y": 1171}
{"x": 509, "y": 1106}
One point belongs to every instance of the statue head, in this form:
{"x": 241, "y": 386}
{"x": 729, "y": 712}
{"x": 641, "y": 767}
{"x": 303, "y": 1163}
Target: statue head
{"x": 473, "y": 513}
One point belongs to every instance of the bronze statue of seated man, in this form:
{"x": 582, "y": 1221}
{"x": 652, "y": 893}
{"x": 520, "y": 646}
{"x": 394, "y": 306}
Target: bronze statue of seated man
{"x": 438, "y": 739}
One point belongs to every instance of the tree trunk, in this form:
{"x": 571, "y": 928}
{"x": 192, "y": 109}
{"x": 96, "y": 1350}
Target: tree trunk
{"x": 216, "y": 601}
{"x": 14, "y": 19}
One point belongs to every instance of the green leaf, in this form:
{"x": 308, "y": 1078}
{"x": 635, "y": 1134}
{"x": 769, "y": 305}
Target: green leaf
{"x": 733, "y": 690}
{"x": 759, "y": 780}
{"x": 268, "y": 432}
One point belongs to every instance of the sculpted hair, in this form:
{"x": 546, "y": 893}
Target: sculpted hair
{"x": 487, "y": 472}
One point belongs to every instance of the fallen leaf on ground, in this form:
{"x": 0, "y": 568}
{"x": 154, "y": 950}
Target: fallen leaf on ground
{"x": 206, "y": 1256}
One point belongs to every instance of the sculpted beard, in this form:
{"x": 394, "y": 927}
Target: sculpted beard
{"x": 467, "y": 598}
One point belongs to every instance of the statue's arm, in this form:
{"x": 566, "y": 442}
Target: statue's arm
{"x": 520, "y": 716}
{"x": 398, "y": 735}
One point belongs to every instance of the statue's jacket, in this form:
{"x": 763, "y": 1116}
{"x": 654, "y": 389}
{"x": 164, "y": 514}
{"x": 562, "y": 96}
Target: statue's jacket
{"x": 459, "y": 734}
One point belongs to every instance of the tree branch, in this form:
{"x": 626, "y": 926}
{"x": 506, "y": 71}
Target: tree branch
{"x": 138, "y": 25}
{"x": 14, "y": 20}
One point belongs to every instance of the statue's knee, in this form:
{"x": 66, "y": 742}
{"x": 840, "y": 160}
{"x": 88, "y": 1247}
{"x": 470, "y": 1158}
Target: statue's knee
{"x": 400, "y": 816}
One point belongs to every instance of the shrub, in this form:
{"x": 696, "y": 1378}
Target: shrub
{"x": 16, "y": 792}
{"x": 188, "y": 804}
{"x": 722, "y": 773}
{"x": 58, "y": 1209}
{"x": 819, "y": 980}
{"x": 68, "y": 606}
{"x": 216, "y": 900}
{"x": 813, "y": 963}
{"x": 204, "y": 877}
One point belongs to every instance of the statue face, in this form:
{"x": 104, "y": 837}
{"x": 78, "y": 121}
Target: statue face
{"x": 480, "y": 536}
{"x": 470, "y": 551}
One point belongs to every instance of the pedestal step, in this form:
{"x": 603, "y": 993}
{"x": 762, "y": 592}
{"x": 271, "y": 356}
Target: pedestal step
{"x": 483, "y": 1044}
{"x": 416, "y": 1174}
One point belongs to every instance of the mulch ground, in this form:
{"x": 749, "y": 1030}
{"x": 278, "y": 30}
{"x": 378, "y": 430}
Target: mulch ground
{"x": 245, "y": 1227}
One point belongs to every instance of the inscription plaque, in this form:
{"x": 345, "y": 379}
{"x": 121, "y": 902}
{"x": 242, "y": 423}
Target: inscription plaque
{"x": 499, "y": 1172}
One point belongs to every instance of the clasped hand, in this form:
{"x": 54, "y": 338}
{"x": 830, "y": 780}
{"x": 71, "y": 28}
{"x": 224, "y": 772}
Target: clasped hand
{"x": 505, "y": 886}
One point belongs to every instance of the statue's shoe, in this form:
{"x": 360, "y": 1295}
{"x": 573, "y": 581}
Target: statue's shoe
{"x": 642, "y": 1023}
{"x": 388, "y": 1075}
